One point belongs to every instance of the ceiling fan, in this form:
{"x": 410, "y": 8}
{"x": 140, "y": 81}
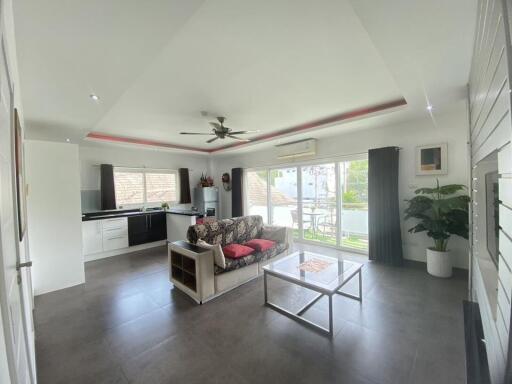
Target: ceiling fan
{"x": 221, "y": 132}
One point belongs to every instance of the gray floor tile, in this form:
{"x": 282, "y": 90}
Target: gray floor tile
{"x": 135, "y": 337}
{"x": 128, "y": 324}
{"x": 173, "y": 361}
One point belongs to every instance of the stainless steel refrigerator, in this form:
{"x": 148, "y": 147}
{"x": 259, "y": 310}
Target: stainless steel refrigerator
{"x": 206, "y": 200}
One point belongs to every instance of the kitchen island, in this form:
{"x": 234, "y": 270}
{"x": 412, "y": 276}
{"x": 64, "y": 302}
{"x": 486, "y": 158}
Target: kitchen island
{"x": 178, "y": 222}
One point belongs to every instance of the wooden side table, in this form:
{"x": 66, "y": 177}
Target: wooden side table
{"x": 191, "y": 270}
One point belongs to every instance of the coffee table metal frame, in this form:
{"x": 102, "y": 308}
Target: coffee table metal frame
{"x": 321, "y": 293}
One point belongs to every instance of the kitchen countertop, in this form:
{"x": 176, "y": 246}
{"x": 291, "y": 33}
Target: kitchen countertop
{"x": 126, "y": 213}
{"x": 186, "y": 212}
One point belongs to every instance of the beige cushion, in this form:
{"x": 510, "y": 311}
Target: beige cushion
{"x": 274, "y": 233}
{"x": 218, "y": 255}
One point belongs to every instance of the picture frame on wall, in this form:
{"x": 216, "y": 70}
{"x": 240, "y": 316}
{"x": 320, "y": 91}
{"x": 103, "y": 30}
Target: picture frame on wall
{"x": 432, "y": 159}
{"x": 20, "y": 179}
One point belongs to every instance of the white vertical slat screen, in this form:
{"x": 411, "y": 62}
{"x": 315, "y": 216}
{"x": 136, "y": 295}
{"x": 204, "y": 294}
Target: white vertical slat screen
{"x": 491, "y": 131}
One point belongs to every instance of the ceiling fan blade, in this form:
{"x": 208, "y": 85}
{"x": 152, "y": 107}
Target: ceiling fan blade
{"x": 241, "y": 132}
{"x": 215, "y": 125}
{"x": 212, "y": 140}
{"x": 196, "y": 133}
{"x": 237, "y": 138}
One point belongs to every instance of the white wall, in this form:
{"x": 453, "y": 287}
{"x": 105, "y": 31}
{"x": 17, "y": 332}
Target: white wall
{"x": 92, "y": 155}
{"x": 451, "y": 128}
{"x": 54, "y": 215}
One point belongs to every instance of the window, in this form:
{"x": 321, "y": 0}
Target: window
{"x": 354, "y": 204}
{"x": 323, "y": 203}
{"x": 257, "y": 193}
{"x": 140, "y": 187}
{"x": 129, "y": 187}
{"x": 283, "y": 197}
{"x": 160, "y": 187}
{"x": 319, "y": 217}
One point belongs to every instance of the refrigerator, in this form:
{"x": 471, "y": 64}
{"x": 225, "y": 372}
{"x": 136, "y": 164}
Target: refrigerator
{"x": 206, "y": 200}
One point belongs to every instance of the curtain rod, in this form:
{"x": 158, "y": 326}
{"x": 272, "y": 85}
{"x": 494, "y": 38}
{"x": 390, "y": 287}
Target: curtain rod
{"x": 141, "y": 167}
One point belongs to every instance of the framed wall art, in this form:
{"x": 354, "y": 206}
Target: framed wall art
{"x": 432, "y": 159}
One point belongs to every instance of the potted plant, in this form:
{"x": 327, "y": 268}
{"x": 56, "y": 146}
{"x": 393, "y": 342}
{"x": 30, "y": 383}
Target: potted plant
{"x": 442, "y": 212}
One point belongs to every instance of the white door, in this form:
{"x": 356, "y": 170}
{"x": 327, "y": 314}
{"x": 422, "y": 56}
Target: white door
{"x": 17, "y": 323}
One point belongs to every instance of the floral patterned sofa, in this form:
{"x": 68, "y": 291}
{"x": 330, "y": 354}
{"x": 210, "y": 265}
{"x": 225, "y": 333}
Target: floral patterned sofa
{"x": 240, "y": 230}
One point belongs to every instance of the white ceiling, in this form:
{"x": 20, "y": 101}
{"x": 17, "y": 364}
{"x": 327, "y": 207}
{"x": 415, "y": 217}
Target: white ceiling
{"x": 266, "y": 65}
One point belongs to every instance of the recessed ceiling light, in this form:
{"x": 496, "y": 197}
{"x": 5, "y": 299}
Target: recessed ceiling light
{"x": 68, "y": 140}
{"x": 94, "y": 97}
{"x": 429, "y": 107}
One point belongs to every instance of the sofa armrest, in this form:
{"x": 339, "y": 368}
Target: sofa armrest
{"x": 278, "y": 234}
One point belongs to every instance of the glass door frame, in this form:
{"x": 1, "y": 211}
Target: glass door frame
{"x": 339, "y": 197}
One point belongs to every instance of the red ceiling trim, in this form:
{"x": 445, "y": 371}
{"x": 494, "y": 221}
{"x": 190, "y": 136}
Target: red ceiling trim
{"x": 342, "y": 117}
{"x": 152, "y": 143}
{"x": 351, "y": 115}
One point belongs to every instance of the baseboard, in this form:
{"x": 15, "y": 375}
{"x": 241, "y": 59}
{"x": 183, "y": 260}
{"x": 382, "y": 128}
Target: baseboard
{"x": 122, "y": 251}
{"x": 68, "y": 285}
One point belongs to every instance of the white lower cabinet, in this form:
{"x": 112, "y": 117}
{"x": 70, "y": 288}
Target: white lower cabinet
{"x": 112, "y": 242}
{"x": 104, "y": 235}
{"x": 92, "y": 237}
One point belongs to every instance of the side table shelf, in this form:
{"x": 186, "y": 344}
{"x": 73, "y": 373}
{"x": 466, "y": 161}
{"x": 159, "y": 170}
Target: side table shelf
{"x": 189, "y": 267}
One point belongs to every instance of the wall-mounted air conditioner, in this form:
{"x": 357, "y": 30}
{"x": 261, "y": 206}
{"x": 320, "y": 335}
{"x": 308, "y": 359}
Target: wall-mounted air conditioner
{"x": 296, "y": 149}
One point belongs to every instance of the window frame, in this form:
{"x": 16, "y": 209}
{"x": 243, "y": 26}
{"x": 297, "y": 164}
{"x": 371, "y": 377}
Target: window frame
{"x": 299, "y": 165}
{"x": 145, "y": 171}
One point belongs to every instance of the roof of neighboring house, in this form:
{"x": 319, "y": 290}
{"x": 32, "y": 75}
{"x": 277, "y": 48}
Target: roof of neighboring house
{"x": 257, "y": 192}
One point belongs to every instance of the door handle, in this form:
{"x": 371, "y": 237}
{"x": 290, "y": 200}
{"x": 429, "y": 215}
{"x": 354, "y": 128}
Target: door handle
{"x": 23, "y": 265}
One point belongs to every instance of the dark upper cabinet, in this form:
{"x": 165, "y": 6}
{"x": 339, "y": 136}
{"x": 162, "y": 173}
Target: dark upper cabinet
{"x": 147, "y": 228}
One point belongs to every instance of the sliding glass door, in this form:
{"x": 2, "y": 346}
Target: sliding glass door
{"x": 323, "y": 203}
{"x": 283, "y": 197}
{"x": 319, "y": 221}
{"x": 354, "y": 204}
{"x": 256, "y": 188}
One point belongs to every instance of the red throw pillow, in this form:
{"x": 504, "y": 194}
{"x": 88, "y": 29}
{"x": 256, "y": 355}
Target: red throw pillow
{"x": 260, "y": 245}
{"x": 235, "y": 251}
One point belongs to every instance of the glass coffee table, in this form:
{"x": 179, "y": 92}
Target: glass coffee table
{"x": 323, "y": 274}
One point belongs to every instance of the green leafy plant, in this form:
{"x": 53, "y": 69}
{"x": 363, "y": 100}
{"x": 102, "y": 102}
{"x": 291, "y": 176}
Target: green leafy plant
{"x": 350, "y": 197}
{"x": 442, "y": 212}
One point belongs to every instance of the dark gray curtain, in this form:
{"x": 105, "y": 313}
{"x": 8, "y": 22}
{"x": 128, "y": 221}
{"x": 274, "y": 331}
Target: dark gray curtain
{"x": 237, "y": 201}
{"x": 385, "y": 239}
{"x": 107, "y": 189}
{"x": 184, "y": 186}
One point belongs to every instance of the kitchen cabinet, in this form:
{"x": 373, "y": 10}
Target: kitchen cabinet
{"x": 138, "y": 230}
{"x": 146, "y": 228}
{"x": 104, "y": 235}
{"x": 92, "y": 237}
{"x": 157, "y": 226}
{"x": 115, "y": 233}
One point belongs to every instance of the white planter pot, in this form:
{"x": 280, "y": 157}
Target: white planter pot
{"x": 439, "y": 264}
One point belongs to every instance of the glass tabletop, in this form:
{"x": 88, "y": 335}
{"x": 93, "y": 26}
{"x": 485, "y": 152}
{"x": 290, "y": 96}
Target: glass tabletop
{"x": 312, "y": 269}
